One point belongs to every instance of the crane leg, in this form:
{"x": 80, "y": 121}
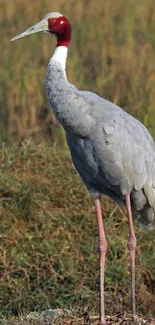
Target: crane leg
{"x": 132, "y": 250}
{"x": 102, "y": 253}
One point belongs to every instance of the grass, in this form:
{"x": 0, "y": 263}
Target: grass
{"x": 66, "y": 317}
{"x": 112, "y": 53}
{"x": 49, "y": 238}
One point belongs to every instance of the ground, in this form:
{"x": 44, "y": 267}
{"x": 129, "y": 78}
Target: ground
{"x": 49, "y": 239}
{"x": 65, "y": 317}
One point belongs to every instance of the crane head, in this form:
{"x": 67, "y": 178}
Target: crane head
{"x": 53, "y": 23}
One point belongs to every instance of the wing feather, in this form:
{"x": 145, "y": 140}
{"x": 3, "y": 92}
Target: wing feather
{"x": 131, "y": 145}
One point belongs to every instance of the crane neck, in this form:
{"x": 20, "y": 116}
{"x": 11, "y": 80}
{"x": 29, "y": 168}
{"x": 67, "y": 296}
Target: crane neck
{"x": 60, "y": 56}
{"x": 68, "y": 105}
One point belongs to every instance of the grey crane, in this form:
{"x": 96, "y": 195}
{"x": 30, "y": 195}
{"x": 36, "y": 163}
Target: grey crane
{"x": 112, "y": 151}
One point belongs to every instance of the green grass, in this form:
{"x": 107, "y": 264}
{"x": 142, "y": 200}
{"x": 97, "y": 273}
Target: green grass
{"x": 48, "y": 235}
{"x": 49, "y": 238}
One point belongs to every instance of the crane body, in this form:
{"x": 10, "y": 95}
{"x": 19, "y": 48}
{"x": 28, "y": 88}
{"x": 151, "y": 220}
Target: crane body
{"x": 112, "y": 151}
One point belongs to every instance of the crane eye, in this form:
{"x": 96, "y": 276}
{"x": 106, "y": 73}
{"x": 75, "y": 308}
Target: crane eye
{"x": 53, "y": 20}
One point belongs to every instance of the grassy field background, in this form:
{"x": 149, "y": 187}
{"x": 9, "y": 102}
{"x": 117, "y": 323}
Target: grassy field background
{"x": 48, "y": 236}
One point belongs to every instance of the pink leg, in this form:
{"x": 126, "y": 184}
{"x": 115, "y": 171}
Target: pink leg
{"x": 102, "y": 252}
{"x": 132, "y": 248}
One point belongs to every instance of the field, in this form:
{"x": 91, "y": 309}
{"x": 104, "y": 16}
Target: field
{"x": 49, "y": 239}
{"x": 48, "y": 236}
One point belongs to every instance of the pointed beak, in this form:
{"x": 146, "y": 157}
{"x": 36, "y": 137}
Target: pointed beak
{"x": 39, "y": 27}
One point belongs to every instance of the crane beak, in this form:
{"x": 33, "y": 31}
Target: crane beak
{"x": 39, "y": 27}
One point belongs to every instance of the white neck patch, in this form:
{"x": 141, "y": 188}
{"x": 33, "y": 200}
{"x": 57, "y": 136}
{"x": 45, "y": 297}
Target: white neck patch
{"x": 60, "y": 56}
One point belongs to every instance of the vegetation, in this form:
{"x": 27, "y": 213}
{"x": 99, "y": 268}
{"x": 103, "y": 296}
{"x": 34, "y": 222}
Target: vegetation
{"x": 48, "y": 236}
{"x": 112, "y": 53}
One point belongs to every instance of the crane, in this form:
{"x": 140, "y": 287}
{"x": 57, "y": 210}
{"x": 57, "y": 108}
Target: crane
{"x": 112, "y": 151}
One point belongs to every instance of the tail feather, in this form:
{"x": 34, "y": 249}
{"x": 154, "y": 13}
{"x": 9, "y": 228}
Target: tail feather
{"x": 143, "y": 207}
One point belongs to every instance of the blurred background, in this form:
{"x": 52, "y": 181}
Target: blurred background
{"x": 112, "y": 53}
{"x": 48, "y": 251}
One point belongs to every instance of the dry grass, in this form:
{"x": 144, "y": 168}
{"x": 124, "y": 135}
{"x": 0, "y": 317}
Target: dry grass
{"x": 65, "y": 317}
{"x": 48, "y": 236}
{"x": 48, "y": 251}
{"x": 112, "y": 52}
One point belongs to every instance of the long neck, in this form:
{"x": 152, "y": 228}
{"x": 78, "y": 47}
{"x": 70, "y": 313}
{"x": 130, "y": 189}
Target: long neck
{"x": 58, "y": 87}
{"x": 64, "y": 98}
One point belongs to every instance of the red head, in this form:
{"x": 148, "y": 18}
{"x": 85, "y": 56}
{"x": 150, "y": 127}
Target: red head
{"x": 61, "y": 28}
{"x": 54, "y": 23}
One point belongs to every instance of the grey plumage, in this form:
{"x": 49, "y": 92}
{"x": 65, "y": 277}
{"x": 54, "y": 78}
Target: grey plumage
{"x": 112, "y": 151}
